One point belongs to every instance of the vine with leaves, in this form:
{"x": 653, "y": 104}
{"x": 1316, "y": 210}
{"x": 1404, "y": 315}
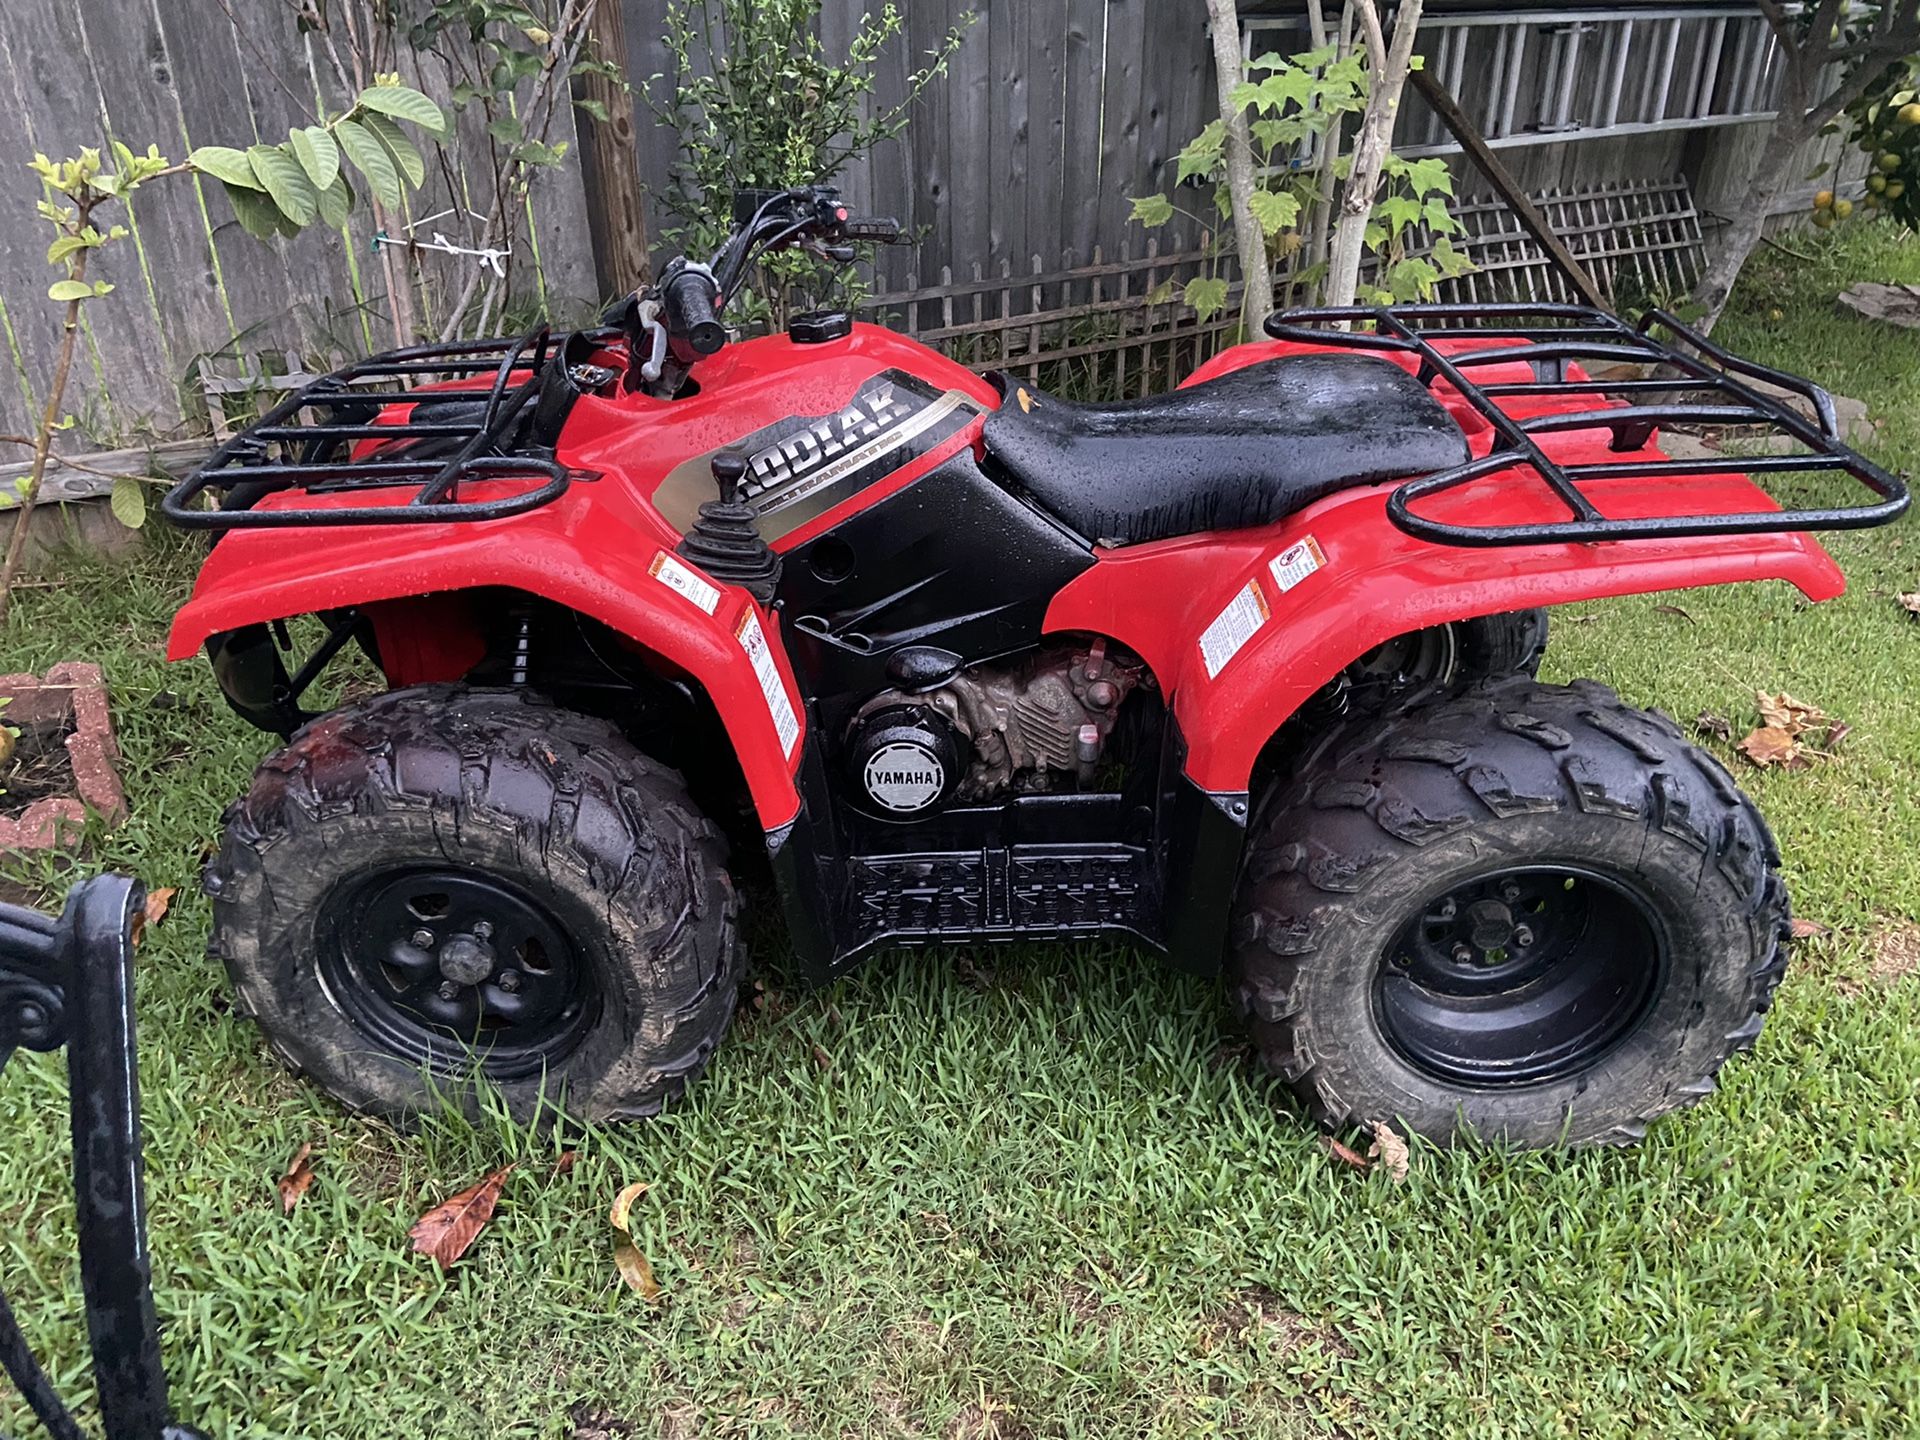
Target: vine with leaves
{"x": 277, "y": 189}
{"x": 509, "y": 62}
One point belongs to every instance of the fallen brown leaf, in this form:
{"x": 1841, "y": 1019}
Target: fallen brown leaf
{"x": 623, "y": 1203}
{"x": 1805, "y": 929}
{"x": 295, "y": 1179}
{"x": 1783, "y": 712}
{"x": 564, "y": 1163}
{"x": 1718, "y": 726}
{"x": 1345, "y": 1154}
{"x": 1391, "y": 1150}
{"x": 627, "y": 1259}
{"x": 1674, "y": 610}
{"x": 158, "y": 902}
{"x": 822, "y": 1058}
{"x": 1771, "y": 745}
{"x": 445, "y": 1232}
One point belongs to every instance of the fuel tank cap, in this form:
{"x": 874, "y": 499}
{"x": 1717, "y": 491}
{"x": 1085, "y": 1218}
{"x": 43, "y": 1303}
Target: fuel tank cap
{"x": 816, "y": 327}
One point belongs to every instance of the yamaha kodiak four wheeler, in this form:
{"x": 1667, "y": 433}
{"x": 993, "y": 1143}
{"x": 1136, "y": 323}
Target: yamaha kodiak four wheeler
{"x": 1243, "y": 673}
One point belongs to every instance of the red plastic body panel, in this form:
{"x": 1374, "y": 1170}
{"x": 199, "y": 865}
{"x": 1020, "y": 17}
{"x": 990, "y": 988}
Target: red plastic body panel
{"x": 1378, "y": 582}
{"x": 590, "y": 550}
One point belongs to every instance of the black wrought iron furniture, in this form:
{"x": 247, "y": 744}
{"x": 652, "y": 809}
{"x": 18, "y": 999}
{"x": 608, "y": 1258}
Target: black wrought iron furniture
{"x": 1691, "y": 381}
{"x": 69, "y": 982}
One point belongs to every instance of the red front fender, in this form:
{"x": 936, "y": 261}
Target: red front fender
{"x": 1375, "y": 582}
{"x": 595, "y": 554}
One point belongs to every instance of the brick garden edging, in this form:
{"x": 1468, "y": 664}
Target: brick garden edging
{"x": 72, "y": 687}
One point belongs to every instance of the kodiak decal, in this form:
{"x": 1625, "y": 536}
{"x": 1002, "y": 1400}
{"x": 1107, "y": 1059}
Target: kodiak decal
{"x": 805, "y": 464}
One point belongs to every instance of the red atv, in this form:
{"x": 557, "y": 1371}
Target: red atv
{"x": 1243, "y": 673}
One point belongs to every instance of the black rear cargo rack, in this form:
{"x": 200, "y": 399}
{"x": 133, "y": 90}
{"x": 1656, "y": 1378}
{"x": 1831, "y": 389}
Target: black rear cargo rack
{"x": 1692, "y": 383}
{"x": 450, "y": 439}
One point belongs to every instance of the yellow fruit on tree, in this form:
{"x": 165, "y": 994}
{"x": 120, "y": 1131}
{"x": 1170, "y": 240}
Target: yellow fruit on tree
{"x": 1842, "y": 209}
{"x": 1910, "y": 114}
{"x": 1890, "y": 162}
{"x": 1895, "y": 189}
{"x": 1876, "y": 183}
{"x": 1823, "y": 201}
{"x": 1823, "y": 219}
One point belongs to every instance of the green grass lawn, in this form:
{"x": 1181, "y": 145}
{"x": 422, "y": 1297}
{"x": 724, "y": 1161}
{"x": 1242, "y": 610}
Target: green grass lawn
{"x": 1030, "y": 1192}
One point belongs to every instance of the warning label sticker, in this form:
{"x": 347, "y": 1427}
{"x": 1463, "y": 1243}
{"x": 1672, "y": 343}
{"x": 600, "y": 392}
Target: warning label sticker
{"x": 1296, "y": 563}
{"x": 1233, "y": 628}
{"x": 686, "y": 581}
{"x": 753, "y": 640}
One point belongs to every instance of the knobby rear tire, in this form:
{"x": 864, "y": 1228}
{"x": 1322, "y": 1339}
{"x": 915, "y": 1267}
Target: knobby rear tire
{"x": 1381, "y": 814}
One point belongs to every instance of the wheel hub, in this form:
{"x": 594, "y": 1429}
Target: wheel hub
{"x": 1489, "y": 924}
{"x": 466, "y": 959}
{"x": 420, "y": 956}
{"x": 1521, "y": 977}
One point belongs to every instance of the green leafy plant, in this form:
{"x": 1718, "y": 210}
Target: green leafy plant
{"x": 275, "y": 190}
{"x": 759, "y": 103}
{"x": 1840, "y": 63}
{"x": 514, "y": 64}
{"x": 1289, "y": 104}
{"x": 1885, "y": 123}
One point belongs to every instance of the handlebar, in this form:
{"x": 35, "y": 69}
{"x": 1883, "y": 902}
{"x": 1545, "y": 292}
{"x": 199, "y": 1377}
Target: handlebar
{"x": 691, "y": 298}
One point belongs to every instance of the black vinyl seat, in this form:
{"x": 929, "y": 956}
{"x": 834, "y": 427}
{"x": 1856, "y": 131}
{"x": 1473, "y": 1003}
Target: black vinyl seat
{"x": 1248, "y": 448}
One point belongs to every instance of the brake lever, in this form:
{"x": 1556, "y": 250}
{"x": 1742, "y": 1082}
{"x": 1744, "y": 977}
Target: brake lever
{"x": 841, "y": 254}
{"x": 648, "y": 315}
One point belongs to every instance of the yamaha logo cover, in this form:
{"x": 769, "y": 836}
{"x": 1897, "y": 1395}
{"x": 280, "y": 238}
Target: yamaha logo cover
{"x": 904, "y": 776}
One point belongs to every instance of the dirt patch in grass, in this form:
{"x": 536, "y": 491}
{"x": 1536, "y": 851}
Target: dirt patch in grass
{"x": 985, "y": 1419}
{"x": 595, "y": 1422}
{"x": 1893, "y": 953}
{"x": 1259, "y": 1318}
{"x": 40, "y": 766}
{"x": 1896, "y": 951}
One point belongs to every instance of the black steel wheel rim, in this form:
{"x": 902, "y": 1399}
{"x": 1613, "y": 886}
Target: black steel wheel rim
{"x": 1408, "y": 661}
{"x": 1520, "y": 977}
{"x": 420, "y": 956}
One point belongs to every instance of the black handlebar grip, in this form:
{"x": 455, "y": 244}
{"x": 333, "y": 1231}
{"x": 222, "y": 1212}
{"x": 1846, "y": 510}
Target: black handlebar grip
{"x": 690, "y": 313}
{"x": 873, "y": 229}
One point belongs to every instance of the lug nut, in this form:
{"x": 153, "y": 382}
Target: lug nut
{"x": 1447, "y": 909}
{"x": 1463, "y": 953}
{"x": 509, "y": 981}
{"x": 482, "y": 929}
{"x": 423, "y": 938}
{"x": 1509, "y": 892}
{"x": 449, "y": 990}
{"x": 1523, "y": 936}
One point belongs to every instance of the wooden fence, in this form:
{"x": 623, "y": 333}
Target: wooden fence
{"x": 1112, "y": 327}
{"x": 1052, "y": 117}
{"x": 190, "y": 282}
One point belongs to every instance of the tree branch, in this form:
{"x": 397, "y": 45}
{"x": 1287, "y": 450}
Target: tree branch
{"x": 1250, "y": 239}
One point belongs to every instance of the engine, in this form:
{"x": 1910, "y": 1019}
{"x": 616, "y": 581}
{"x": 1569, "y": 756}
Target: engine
{"x": 1038, "y": 724}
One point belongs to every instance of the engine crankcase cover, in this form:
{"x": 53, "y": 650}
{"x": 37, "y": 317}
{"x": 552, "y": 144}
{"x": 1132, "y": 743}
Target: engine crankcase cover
{"x": 905, "y": 759}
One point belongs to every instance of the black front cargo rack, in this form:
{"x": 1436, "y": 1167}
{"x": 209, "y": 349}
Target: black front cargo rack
{"x": 1548, "y": 338}
{"x": 452, "y": 438}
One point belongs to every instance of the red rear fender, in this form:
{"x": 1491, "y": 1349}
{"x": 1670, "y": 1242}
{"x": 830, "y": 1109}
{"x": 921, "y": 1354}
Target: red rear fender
{"x": 1356, "y": 581}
